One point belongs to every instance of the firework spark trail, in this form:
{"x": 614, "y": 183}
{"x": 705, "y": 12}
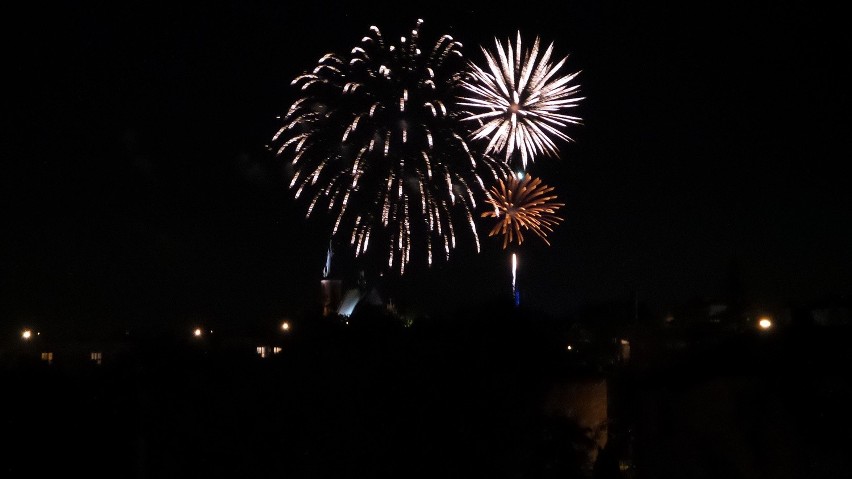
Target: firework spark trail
{"x": 379, "y": 128}
{"x": 522, "y": 205}
{"x": 521, "y": 101}
{"x": 514, "y": 272}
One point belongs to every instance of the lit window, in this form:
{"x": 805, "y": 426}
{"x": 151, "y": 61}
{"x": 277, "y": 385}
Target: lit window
{"x": 96, "y": 357}
{"x": 276, "y": 350}
{"x": 47, "y": 357}
{"x": 261, "y": 351}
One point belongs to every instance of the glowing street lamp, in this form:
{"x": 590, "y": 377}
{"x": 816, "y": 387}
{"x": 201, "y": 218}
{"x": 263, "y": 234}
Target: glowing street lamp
{"x": 26, "y": 334}
{"x": 197, "y": 332}
{"x": 764, "y": 323}
{"x": 285, "y": 326}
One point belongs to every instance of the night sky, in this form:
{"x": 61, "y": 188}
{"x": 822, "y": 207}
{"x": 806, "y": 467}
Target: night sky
{"x": 137, "y": 187}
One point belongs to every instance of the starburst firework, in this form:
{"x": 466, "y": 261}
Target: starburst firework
{"x": 521, "y": 205}
{"x": 523, "y": 98}
{"x": 376, "y": 141}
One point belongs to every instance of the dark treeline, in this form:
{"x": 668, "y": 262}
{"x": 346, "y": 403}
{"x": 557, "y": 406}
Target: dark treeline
{"x": 377, "y": 397}
{"x": 461, "y": 395}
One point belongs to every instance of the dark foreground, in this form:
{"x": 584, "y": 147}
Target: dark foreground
{"x": 489, "y": 397}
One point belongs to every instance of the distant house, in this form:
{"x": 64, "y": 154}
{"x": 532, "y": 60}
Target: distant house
{"x": 827, "y": 312}
{"x": 721, "y": 316}
{"x": 832, "y": 316}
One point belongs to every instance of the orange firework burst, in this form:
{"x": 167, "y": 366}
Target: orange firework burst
{"x": 522, "y": 205}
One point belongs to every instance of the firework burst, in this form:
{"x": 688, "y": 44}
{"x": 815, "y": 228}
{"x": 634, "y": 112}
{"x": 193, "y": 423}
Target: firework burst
{"x": 520, "y": 101}
{"x": 375, "y": 140}
{"x": 522, "y": 205}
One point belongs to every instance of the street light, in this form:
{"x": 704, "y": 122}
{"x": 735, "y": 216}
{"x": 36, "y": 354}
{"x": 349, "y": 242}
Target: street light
{"x": 764, "y": 323}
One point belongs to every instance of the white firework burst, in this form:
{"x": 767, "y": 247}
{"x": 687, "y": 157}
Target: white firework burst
{"x": 375, "y": 140}
{"x": 524, "y": 99}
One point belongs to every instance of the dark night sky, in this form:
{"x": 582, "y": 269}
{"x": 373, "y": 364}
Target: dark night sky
{"x": 136, "y": 186}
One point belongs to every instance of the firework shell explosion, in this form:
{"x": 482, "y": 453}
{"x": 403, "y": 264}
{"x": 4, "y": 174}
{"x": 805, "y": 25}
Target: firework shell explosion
{"x": 522, "y": 205}
{"x": 519, "y": 101}
{"x": 376, "y": 141}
